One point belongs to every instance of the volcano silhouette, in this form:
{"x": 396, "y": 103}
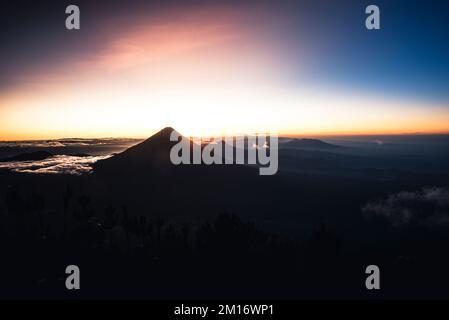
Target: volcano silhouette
{"x": 151, "y": 154}
{"x": 145, "y": 176}
{"x": 152, "y": 157}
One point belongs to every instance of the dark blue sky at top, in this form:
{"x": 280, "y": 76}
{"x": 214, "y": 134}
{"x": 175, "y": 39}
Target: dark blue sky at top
{"x": 408, "y": 57}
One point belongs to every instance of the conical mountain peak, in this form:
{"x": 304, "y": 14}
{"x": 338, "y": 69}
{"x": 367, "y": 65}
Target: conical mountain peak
{"x": 165, "y": 132}
{"x": 154, "y": 151}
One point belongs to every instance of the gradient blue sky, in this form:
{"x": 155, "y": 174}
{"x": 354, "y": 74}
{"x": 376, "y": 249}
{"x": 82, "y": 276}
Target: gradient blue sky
{"x": 314, "y": 60}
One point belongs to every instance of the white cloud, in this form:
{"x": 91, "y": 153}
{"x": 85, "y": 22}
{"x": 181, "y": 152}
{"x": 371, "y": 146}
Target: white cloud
{"x": 428, "y": 207}
{"x": 60, "y": 164}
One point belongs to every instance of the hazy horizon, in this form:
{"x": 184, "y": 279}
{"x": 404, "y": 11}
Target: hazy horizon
{"x": 293, "y": 136}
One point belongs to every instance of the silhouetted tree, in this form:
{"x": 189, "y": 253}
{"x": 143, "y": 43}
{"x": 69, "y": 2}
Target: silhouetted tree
{"x": 110, "y": 221}
{"x": 14, "y": 203}
{"x": 159, "y": 224}
{"x": 85, "y": 214}
{"x": 126, "y": 225}
{"x": 141, "y": 229}
{"x": 66, "y": 197}
{"x": 36, "y": 204}
{"x": 324, "y": 245}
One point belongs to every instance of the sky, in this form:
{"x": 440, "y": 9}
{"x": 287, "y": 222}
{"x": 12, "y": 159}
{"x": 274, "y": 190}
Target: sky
{"x": 223, "y": 67}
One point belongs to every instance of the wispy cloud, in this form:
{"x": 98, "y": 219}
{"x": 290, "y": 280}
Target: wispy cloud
{"x": 427, "y": 207}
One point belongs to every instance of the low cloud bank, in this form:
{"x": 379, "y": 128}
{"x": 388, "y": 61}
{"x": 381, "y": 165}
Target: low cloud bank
{"x": 60, "y": 164}
{"x": 73, "y": 142}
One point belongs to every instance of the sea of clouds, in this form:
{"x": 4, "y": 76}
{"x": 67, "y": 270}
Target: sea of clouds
{"x": 59, "y": 164}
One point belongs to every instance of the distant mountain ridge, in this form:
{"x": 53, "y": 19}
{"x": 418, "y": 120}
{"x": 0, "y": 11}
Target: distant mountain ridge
{"x": 308, "y": 144}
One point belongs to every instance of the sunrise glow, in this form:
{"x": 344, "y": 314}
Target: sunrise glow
{"x": 203, "y": 72}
